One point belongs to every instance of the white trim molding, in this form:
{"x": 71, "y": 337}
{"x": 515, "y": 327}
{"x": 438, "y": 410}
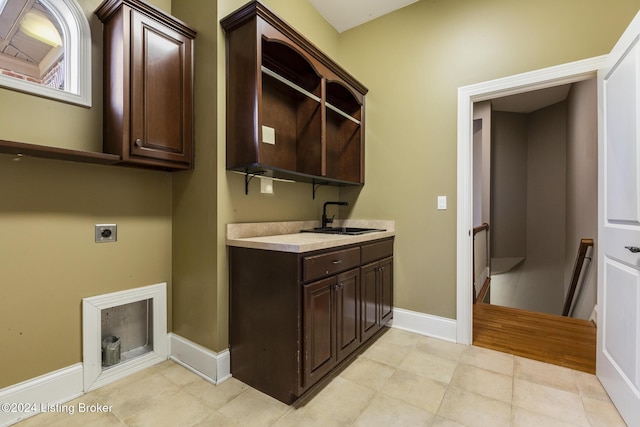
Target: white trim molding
{"x": 424, "y": 324}
{"x": 94, "y": 375}
{"x": 37, "y": 394}
{"x": 213, "y": 367}
{"x": 467, "y": 96}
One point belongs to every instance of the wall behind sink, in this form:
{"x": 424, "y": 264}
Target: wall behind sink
{"x": 413, "y": 61}
{"x": 209, "y": 197}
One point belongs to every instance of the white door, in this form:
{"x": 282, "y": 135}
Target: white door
{"x": 618, "y": 351}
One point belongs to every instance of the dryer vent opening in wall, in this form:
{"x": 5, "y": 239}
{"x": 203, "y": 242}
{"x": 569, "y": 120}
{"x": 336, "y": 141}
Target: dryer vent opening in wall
{"x": 128, "y": 332}
{"x": 123, "y": 332}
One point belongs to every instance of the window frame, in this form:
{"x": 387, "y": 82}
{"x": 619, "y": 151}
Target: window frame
{"x": 77, "y": 58}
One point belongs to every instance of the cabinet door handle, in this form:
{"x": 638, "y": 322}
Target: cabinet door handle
{"x": 633, "y": 249}
{"x": 138, "y": 143}
{"x": 337, "y": 261}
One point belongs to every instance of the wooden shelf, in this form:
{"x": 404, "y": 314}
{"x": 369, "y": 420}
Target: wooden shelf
{"x": 292, "y": 112}
{"x": 42, "y": 151}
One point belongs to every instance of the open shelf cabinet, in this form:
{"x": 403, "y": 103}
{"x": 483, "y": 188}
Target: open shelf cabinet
{"x": 292, "y": 112}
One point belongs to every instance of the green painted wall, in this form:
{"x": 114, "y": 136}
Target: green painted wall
{"x": 48, "y": 258}
{"x": 171, "y": 226}
{"x": 208, "y": 198}
{"x": 413, "y": 62}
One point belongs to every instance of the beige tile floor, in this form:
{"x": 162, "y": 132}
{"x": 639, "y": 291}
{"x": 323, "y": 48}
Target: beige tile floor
{"x": 403, "y": 379}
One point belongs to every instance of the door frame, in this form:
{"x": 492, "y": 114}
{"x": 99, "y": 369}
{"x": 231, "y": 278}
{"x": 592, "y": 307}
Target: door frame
{"x": 467, "y": 96}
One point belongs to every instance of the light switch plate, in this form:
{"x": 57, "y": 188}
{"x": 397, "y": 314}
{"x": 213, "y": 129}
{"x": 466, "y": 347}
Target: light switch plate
{"x": 442, "y": 203}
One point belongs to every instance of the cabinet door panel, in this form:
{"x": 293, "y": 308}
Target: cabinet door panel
{"x": 347, "y": 312}
{"x": 161, "y": 92}
{"x": 386, "y": 290}
{"x": 369, "y": 296}
{"x": 319, "y": 329}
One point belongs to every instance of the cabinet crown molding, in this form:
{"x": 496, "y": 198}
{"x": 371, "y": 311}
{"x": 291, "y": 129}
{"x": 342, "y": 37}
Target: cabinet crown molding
{"x": 256, "y": 8}
{"x": 109, "y": 7}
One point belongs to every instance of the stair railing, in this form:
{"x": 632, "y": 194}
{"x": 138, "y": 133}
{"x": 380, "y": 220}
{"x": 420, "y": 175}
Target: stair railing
{"x": 577, "y": 270}
{"x": 484, "y": 258}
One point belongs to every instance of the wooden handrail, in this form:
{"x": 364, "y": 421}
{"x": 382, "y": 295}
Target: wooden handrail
{"x": 480, "y": 228}
{"x": 477, "y": 230}
{"x": 577, "y": 269}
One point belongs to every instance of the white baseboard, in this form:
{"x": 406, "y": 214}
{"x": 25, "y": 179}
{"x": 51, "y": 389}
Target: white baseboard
{"x": 68, "y": 383}
{"x": 594, "y": 315}
{"x": 49, "y": 389}
{"x": 213, "y": 367}
{"x": 424, "y": 324}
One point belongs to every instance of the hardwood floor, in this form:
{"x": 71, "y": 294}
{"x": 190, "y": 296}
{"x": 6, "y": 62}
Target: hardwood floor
{"x": 553, "y": 339}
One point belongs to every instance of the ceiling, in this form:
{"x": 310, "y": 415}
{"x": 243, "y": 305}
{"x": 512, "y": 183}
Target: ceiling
{"x": 346, "y": 14}
{"x": 528, "y": 102}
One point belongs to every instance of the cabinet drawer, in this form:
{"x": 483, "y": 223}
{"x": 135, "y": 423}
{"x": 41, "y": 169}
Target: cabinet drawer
{"x": 329, "y": 263}
{"x": 377, "y": 250}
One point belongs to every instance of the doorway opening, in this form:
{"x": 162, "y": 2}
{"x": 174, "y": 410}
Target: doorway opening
{"x": 467, "y": 97}
{"x": 534, "y": 202}
{"x": 535, "y": 193}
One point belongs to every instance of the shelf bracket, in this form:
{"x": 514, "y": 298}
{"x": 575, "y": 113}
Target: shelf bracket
{"x": 248, "y": 177}
{"x": 315, "y": 186}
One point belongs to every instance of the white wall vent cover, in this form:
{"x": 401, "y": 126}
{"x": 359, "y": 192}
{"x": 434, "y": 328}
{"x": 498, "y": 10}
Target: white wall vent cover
{"x": 156, "y": 351}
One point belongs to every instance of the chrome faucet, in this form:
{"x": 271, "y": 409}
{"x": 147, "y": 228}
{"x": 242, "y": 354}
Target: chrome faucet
{"x": 325, "y": 219}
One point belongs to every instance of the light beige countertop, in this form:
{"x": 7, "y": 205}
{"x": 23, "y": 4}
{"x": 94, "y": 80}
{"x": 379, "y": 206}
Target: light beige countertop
{"x": 286, "y": 236}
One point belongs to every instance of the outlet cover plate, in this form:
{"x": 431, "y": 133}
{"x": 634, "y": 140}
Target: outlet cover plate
{"x": 106, "y": 233}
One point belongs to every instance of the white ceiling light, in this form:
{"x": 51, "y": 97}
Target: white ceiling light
{"x": 39, "y": 27}
{"x": 345, "y": 14}
{"x": 2, "y": 5}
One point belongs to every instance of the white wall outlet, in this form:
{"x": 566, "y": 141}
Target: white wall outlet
{"x": 268, "y": 135}
{"x": 106, "y": 233}
{"x": 442, "y": 203}
{"x": 266, "y": 185}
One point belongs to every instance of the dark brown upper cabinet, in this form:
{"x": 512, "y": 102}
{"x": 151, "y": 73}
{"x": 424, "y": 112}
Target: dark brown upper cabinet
{"x": 148, "y": 86}
{"x": 292, "y": 112}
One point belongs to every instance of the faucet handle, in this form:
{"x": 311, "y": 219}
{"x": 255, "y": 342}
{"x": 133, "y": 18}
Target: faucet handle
{"x": 330, "y": 220}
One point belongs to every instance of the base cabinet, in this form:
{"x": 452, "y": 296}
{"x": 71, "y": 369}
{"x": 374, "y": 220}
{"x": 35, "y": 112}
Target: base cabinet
{"x": 377, "y": 296}
{"x": 331, "y": 327}
{"x": 295, "y": 317}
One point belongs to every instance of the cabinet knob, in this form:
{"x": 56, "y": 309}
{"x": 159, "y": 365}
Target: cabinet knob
{"x": 138, "y": 143}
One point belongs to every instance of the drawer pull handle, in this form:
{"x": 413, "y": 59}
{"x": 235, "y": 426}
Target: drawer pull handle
{"x": 337, "y": 261}
{"x": 633, "y": 249}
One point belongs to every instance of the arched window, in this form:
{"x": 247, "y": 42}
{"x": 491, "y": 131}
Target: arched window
{"x": 45, "y": 49}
